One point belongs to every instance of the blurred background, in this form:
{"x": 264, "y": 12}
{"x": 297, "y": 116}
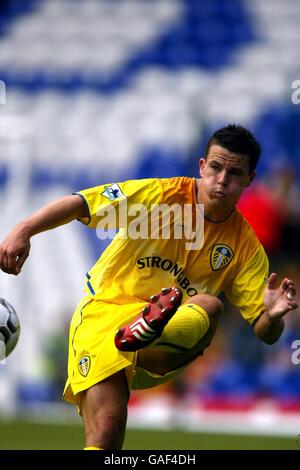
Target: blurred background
{"x": 101, "y": 91}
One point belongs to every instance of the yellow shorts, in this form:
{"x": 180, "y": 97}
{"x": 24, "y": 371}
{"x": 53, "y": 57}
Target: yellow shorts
{"x": 92, "y": 353}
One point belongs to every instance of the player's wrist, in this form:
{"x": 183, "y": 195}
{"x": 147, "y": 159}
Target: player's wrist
{"x": 25, "y": 229}
{"x": 274, "y": 317}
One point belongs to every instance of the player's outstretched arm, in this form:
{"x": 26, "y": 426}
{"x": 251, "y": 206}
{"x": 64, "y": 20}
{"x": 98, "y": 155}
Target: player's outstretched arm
{"x": 278, "y": 302}
{"x": 15, "y": 248}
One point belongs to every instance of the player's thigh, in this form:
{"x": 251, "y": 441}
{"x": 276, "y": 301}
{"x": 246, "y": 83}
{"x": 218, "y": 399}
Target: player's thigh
{"x": 110, "y": 394}
{"x": 92, "y": 353}
{"x": 162, "y": 362}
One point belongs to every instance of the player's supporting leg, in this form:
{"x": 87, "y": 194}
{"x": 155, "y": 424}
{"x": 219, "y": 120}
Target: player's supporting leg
{"x": 191, "y": 329}
{"x": 104, "y": 412}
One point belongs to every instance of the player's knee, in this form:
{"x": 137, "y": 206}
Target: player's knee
{"x": 212, "y": 305}
{"x": 217, "y": 308}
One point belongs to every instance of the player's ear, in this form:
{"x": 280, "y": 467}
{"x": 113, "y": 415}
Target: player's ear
{"x": 251, "y": 177}
{"x": 202, "y": 162}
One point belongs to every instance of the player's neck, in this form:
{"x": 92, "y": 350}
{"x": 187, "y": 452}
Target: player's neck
{"x": 211, "y": 212}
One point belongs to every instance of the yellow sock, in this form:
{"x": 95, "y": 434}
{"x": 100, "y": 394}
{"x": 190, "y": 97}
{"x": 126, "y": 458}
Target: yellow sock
{"x": 93, "y": 448}
{"x": 185, "y": 329}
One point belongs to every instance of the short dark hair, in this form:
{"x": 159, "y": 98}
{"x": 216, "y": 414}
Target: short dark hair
{"x": 236, "y": 139}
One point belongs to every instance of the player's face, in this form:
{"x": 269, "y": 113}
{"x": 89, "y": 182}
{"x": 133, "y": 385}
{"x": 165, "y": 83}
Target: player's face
{"x": 224, "y": 177}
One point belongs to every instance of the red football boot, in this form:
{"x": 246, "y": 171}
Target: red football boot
{"x": 151, "y": 322}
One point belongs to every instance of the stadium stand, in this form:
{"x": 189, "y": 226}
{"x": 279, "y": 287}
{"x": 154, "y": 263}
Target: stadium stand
{"x": 106, "y": 90}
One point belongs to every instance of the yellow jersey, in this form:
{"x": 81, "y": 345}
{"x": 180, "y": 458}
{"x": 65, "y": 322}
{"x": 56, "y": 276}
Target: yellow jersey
{"x": 230, "y": 261}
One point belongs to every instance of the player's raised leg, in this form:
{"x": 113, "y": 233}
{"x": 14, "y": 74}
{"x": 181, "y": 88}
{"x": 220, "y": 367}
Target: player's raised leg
{"x": 150, "y": 323}
{"x": 185, "y": 336}
{"x": 104, "y": 412}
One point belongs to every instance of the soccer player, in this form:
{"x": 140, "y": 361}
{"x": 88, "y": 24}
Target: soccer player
{"x": 157, "y": 339}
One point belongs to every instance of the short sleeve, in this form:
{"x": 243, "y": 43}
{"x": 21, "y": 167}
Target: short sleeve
{"x": 108, "y": 204}
{"x": 247, "y": 290}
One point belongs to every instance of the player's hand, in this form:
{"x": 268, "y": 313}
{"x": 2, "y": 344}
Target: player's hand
{"x": 279, "y": 300}
{"x": 14, "y": 250}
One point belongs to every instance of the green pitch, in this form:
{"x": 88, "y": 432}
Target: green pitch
{"x": 26, "y": 435}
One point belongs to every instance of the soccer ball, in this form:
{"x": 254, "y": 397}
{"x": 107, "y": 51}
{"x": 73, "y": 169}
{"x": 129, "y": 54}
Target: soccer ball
{"x": 9, "y": 328}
